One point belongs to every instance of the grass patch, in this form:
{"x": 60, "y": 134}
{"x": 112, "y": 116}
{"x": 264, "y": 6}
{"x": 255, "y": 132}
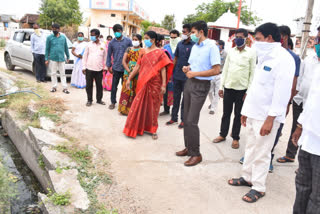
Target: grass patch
{"x": 2, "y": 43}
{"x": 41, "y": 162}
{"x": 62, "y": 199}
{"x": 7, "y": 188}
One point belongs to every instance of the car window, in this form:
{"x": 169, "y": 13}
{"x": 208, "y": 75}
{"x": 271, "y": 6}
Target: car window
{"x": 27, "y": 37}
{"x": 19, "y": 37}
{"x": 15, "y": 35}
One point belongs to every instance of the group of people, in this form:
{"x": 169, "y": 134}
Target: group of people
{"x": 258, "y": 84}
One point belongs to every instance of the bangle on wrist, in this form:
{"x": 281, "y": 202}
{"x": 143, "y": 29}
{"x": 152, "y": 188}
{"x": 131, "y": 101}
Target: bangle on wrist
{"x": 299, "y": 126}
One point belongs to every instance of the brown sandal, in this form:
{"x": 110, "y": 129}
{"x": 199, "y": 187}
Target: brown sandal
{"x": 219, "y": 139}
{"x": 235, "y": 144}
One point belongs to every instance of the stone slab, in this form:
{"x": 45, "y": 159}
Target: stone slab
{"x": 45, "y": 138}
{"x": 55, "y": 159}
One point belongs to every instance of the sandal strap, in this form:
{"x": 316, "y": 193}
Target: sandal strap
{"x": 240, "y": 182}
{"x": 252, "y": 195}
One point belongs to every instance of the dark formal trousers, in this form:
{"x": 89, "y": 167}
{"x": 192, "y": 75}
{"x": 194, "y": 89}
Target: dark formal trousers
{"x": 165, "y": 101}
{"x": 178, "y": 86}
{"x": 97, "y": 77}
{"x": 232, "y": 97}
{"x": 41, "y": 69}
{"x": 307, "y": 184}
{"x": 195, "y": 94}
{"x": 117, "y": 75}
{"x": 291, "y": 148}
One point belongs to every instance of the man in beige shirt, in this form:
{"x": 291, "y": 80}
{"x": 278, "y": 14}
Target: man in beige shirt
{"x": 236, "y": 78}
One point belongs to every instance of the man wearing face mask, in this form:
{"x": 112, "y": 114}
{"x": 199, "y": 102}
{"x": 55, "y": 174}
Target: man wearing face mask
{"x": 94, "y": 59}
{"x": 264, "y": 109}
{"x": 116, "y": 49}
{"x": 171, "y": 48}
{"x": 204, "y": 63}
{"x": 181, "y": 58}
{"x": 56, "y": 49}
{"x": 38, "y": 46}
{"x": 237, "y": 75}
{"x": 215, "y": 84}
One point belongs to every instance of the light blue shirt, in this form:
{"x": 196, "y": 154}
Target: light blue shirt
{"x": 38, "y": 43}
{"x": 203, "y": 56}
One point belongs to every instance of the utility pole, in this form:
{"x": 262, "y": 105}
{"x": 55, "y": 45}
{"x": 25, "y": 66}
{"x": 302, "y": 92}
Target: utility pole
{"x": 239, "y": 13}
{"x": 306, "y": 29}
{"x": 127, "y": 25}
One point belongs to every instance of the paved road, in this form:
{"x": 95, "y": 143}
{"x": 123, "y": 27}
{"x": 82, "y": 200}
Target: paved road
{"x": 158, "y": 178}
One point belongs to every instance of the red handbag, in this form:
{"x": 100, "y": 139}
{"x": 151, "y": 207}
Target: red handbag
{"x": 107, "y": 81}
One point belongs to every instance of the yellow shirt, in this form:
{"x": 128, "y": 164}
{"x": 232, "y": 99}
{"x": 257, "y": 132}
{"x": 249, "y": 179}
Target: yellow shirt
{"x": 238, "y": 69}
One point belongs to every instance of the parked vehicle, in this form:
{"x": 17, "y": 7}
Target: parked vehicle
{"x": 18, "y": 52}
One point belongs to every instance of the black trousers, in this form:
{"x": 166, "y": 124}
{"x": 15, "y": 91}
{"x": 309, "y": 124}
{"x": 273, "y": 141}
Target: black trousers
{"x": 165, "y": 101}
{"x": 178, "y": 86}
{"x": 41, "y": 69}
{"x": 97, "y": 77}
{"x": 195, "y": 94}
{"x": 291, "y": 148}
{"x": 117, "y": 75}
{"x": 232, "y": 97}
{"x": 307, "y": 184}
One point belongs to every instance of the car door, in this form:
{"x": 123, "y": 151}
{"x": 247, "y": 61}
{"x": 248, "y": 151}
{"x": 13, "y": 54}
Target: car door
{"x": 26, "y": 53}
{"x": 16, "y": 46}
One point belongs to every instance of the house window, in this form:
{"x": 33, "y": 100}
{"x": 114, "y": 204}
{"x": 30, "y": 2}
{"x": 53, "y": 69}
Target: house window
{"x": 113, "y": 15}
{"x": 125, "y": 18}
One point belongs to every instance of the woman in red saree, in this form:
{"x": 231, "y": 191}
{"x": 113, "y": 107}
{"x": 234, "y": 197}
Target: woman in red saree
{"x": 155, "y": 69}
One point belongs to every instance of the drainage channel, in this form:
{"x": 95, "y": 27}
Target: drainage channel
{"x": 25, "y": 182}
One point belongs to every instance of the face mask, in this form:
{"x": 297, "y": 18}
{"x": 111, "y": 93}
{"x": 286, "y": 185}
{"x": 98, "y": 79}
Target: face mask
{"x": 55, "y": 32}
{"x": 184, "y": 37}
{"x": 240, "y": 42}
{"x": 93, "y": 38}
{"x": 37, "y": 32}
{"x": 195, "y": 38}
{"x": 174, "y": 42}
{"x": 80, "y": 38}
{"x": 135, "y": 43}
{"x": 265, "y": 48}
{"x": 317, "y": 47}
{"x": 148, "y": 43}
{"x": 117, "y": 34}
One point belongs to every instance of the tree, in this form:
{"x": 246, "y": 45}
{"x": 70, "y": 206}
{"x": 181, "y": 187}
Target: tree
{"x": 210, "y": 12}
{"x": 63, "y": 12}
{"x": 146, "y": 24}
{"x": 169, "y": 22}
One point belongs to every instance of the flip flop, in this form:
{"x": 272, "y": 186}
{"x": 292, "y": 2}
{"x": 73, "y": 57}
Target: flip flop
{"x": 219, "y": 140}
{"x": 285, "y": 159}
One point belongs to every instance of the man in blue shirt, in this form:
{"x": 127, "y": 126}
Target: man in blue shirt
{"x": 171, "y": 48}
{"x": 38, "y": 47}
{"x": 181, "y": 58}
{"x": 116, "y": 49}
{"x": 204, "y": 65}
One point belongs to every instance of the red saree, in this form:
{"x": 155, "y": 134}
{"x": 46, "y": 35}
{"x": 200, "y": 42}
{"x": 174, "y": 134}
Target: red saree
{"x": 143, "y": 115}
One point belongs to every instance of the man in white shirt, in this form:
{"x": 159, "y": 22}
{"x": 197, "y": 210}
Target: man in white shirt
{"x": 264, "y": 108}
{"x": 308, "y": 130}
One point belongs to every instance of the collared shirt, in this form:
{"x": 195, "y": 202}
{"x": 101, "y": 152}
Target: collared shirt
{"x": 309, "y": 119}
{"x": 94, "y": 56}
{"x": 297, "y": 61}
{"x": 38, "y": 43}
{"x": 168, "y": 48}
{"x": 203, "y": 56}
{"x": 117, "y": 48}
{"x": 57, "y": 48}
{"x": 309, "y": 67}
{"x": 182, "y": 53}
{"x": 238, "y": 70}
{"x": 270, "y": 90}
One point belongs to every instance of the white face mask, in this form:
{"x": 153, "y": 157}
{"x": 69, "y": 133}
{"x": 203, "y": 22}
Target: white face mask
{"x": 135, "y": 43}
{"x": 264, "y": 48}
{"x": 174, "y": 42}
{"x": 184, "y": 37}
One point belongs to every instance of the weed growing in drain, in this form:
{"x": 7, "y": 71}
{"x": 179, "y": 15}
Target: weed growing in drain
{"x": 62, "y": 199}
{"x": 41, "y": 162}
{"x": 7, "y": 188}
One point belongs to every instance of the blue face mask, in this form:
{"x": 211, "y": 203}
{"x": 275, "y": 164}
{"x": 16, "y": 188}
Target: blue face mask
{"x": 194, "y": 38}
{"x": 93, "y": 38}
{"x": 80, "y": 39}
{"x": 148, "y": 43}
{"x": 117, "y": 34}
{"x": 317, "y": 47}
{"x": 240, "y": 42}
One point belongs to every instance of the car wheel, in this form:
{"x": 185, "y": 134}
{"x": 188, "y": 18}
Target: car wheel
{"x": 9, "y": 62}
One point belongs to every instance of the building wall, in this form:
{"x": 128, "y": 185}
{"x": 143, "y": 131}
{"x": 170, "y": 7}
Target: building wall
{"x": 104, "y": 17}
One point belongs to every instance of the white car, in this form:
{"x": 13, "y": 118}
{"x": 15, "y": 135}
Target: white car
{"x": 18, "y": 52}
